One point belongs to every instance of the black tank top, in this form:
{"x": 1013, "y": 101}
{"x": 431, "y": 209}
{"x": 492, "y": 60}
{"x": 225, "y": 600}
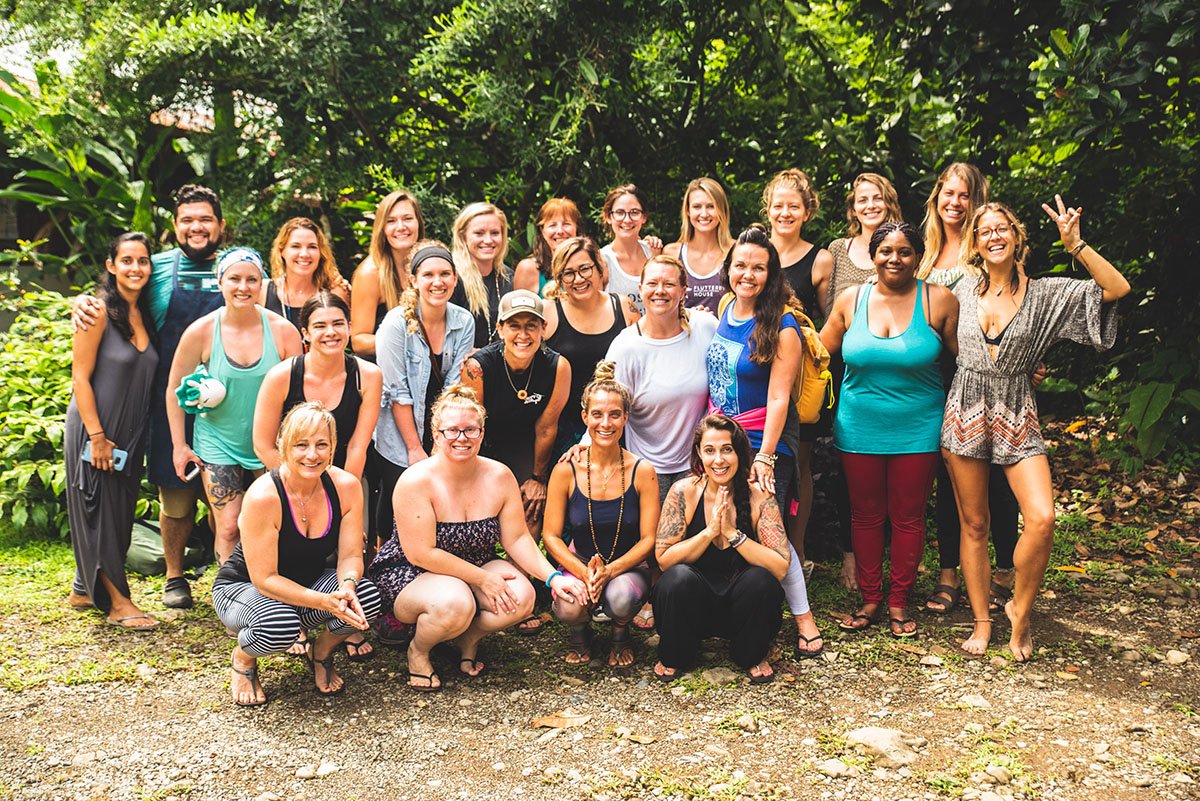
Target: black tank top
{"x": 604, "y": 520}
{"x": 714, "y": 563}
{"x": 275, "y": 304}
{"x": 508, "y": 435}
{"x": 301, "y": 559}
{"x": 582, "y": 352}
{"x": 799, "y": 277}
{"x": 345, "y": 416}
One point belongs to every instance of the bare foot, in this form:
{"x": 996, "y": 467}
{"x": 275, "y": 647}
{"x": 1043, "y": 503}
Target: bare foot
{"x": 849, "y": 576}
{"x": 665, "y": 673}
{"x": 981, "y": 635}
{"x": 77, "y": 601}
{"x": 244, "y": 685}
{"x": 1021, "y": 642}
{"x": 762, "y": 673}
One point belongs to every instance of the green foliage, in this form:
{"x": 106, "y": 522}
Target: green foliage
{"x": 35, "y": 362}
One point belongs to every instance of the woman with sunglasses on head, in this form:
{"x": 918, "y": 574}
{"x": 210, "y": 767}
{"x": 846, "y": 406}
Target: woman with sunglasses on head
{"x": 1008, "y": 322}
{"x": 752, "y": 364}
{"x": 704, "y": 240}
{"x": 301, "y": 266}
{"x": 890, "y": 334}
{"x": 723, "y": 552}
{"x": 558, "y": 220}
{"x": 439, "y": 572}
{"x": 623, "y": 215}
{"x": 581, "y": 324}
{"x": 422, "y": 344}
{"x": 611, "y": 524}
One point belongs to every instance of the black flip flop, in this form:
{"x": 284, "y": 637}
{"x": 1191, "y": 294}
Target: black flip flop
{"x": 902, "y": 634}
{"x": 954, "y": 594}
{"x": 871, "y": 621}
{"x": 354, "y": 650}
{"x": 804, "y": 653}
{"x": 251, "y": 674}
{"x": 429, "y": 688}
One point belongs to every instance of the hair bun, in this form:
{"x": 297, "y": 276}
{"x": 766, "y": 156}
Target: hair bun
{"x": 756, "y": 226}
{"x": 605, "y": 371}
{"x": 460, "y": 391}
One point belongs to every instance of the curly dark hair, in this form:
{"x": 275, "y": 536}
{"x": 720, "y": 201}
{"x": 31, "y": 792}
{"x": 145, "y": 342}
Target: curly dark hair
{"x": 771, "y": 303}
{"x": 118, "y": 307}
{"x": 741, "y": 477}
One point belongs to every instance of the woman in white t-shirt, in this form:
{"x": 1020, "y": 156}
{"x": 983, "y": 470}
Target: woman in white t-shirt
{"x": 623, "y": 215}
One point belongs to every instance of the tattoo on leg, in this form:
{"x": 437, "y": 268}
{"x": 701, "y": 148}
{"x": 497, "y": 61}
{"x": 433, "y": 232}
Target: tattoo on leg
{"x": 222, "y": 484}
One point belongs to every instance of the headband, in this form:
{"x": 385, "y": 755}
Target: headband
{"x": 237, "y": 256}
{"x": 429, "y": 252}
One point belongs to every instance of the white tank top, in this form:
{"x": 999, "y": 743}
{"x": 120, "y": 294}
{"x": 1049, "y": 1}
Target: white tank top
{"x": 621, "y": 283}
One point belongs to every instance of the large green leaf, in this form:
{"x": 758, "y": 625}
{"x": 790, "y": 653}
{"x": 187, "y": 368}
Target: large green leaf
{"x": 1147, "y": 403}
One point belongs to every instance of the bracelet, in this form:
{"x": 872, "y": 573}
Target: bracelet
{"x": 99, "y": 433}
{"x": 350, "y": 579}
{"x": 550, "y": 577}
{"x": 768, "y": 459}
{"x": 738, "y": 539}
{"x": 1075, "y": 251}
{"x": 541, "y": 479}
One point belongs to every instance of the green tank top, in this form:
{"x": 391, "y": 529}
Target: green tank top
{"x": 225, "y": 435}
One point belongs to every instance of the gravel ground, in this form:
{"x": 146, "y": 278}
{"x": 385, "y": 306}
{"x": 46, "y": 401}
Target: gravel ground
{"x": 1108, "y": 710}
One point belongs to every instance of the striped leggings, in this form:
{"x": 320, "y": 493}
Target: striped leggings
{"x": 266, "y": 626}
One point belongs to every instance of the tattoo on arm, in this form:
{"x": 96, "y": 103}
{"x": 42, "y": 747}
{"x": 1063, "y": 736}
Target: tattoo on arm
{"x": 671, "y": 522}
{"x": 770, "y": 526}
{"x": 473, "y": 370}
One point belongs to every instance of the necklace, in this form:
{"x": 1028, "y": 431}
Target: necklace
{"x": 620, "y": 508}
{"x": 303, "y": 502}
{"x": 522, "y": 393}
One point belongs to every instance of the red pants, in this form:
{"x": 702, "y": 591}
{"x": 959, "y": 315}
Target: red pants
{"x": 895, "y": 487}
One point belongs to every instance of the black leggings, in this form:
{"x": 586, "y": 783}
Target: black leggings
{"x": 385, "y": 516}
{"x": 1002, "y": 505}
{"x": 687, "y": 609}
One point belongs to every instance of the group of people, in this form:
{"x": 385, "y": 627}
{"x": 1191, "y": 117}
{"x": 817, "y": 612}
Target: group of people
{"x": 632, "y": 407}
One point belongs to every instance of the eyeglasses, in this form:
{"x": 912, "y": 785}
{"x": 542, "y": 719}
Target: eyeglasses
{"x": 456, "y": 433}
{"x": 632, "y": 214}
{"x": 988, "y": 233}
{"x": 582, "y": 274}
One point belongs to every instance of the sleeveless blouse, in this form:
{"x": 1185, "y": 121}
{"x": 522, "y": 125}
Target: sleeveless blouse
{"x": 845, "y": 272}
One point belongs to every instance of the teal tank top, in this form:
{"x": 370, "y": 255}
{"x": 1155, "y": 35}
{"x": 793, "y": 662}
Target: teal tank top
{"x": 225, "y": 435}
{"x": 892, "y": 399}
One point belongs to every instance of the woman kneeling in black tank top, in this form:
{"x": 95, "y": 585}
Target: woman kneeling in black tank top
{"x": 275, "y": 582}
{"x": 611, "y": 526}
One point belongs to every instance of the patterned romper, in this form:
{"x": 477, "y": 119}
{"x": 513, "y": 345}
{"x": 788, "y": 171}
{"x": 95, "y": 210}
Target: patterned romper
{"x": 472, "y": 541}
{"x": 991, "y": 413}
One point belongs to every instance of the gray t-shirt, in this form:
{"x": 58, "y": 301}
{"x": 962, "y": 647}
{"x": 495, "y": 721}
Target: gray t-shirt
{"x": 668, "y": 379}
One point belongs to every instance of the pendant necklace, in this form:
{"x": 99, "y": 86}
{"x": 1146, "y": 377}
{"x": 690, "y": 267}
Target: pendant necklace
{"x": 523, "y": 393}
{"x": 303, "y": 504}
{"x": 620, "y": 508}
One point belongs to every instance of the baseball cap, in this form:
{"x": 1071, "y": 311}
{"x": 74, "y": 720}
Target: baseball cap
{"x": 520, "y": 301}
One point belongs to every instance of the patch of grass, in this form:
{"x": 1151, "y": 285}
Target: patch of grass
{"x": 1173, "y": 763}
{"x": 943, "y": 784}
{"x": 1184, "y": 708}
{"x": 714, "y": 784}
{"x": 729, "y": 725}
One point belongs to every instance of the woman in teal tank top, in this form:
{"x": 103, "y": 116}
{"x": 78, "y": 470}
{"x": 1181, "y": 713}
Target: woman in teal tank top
{"x": 237, "y": 344}
{"x": 891, "y": 333}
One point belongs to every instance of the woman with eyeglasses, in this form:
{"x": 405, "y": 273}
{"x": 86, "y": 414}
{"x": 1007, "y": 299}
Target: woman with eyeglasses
{"x": 439, "y": 573}
{"x": 581, "y": 324}
{"x": 624, "y": 214}
{"x": 1009, "y": 321}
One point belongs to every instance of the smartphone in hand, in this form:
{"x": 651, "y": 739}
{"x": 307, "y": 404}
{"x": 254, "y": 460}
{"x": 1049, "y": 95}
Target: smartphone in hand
{"x": 120, "y": 457}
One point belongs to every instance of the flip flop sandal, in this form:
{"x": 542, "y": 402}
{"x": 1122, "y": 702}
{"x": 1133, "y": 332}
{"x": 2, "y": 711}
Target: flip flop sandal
{"x": 428, "y": 688}
{"x": 327, "y": 664}
{"x": 664, "y": 678}
{"x": 621, "y": 642}
{"x": 354, "y": 651}
{"x": 472, "y": 665}
{"x": 901, "y": 634}
{"x": 766, "y": 678}
{"x": 252, "y": 674}
{"x": 579, "y": 642}
{"x": 805, "y": 653}
{"x": 120, "y": 623}
{"x": 532, "y": 631}
{"x": 871, "y": 621}
{"x": 303, "y": 641}
{"x": 954, "y": 594}
{"x": 643, "y": 620}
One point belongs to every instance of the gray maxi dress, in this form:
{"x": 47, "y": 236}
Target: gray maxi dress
{"x": 991, "y": 413}
{"x": 100, "y": 505}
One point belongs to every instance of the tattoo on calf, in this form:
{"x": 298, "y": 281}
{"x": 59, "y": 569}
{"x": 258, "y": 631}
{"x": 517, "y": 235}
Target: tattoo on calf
{"x": 223, "y": 483}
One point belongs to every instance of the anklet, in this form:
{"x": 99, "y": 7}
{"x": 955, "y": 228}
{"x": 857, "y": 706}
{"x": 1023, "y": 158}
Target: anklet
{"x": 983, "y": 620}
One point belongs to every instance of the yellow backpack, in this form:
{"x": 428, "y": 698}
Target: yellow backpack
{"x": 813, "y": 379}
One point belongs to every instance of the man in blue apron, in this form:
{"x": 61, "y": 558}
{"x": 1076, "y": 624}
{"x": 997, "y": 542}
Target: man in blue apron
{"x": 183, "y": 288}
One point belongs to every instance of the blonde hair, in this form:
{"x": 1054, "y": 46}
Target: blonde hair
{"x": 326, "y": 275}
{"x": 713, "y": 189}
{"x": 303, "y": 420}
{"x": 891, "y": 201}
{"x": 563, "y": 254}
{"x": 456, "y": 396}
{"x": 604, "y": 379}
{"x": 1020, "y": 247}
{"x": 670, "y": 261}
{"x": 799, "y": 182}
{"x": 410, "y": 299}
{"x": 468, "y": 273}
{"x": 935, "y": 231}
{"x": 393, "y": 275}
